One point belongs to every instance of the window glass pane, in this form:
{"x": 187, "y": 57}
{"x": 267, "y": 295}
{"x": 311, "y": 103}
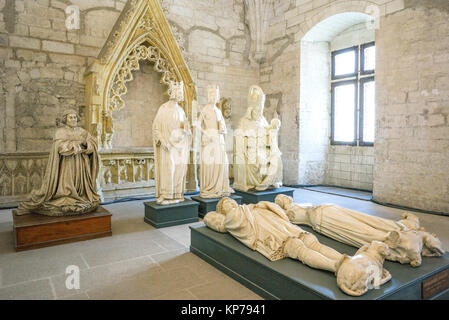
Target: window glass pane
{"x": 345, "y": 63}
{"x": 344, "y": 108}
{"x": 370, "y": 58}
{"x": 369, "y": 112}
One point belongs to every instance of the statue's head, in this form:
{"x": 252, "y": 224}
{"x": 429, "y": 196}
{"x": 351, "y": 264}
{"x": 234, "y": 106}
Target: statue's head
{"x": 176, "y": 91}
{"x": 70, "y": 117}
{"x": 284, "y": 201}
{"x": 226, "y": 205}
{"x": 213, "y": 94}
{"x": 256, "y": 102}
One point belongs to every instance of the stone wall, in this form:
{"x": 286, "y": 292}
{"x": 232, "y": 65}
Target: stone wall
{"x": 314, "y": 126}
{"x": 42, "y": 66}
{"x": 216, "y": 44}
{"x": 133, "y": 125}
{"x": 411, "y": 150}
{"x": 43, "y": 63}
{"x": 351, "y": 167}
{"x": 412, "y": 143}
{"x": 280, "y": 72}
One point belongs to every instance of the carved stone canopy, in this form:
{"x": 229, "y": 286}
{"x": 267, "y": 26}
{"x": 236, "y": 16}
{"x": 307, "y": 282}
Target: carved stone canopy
{"x": 141, "y": 33}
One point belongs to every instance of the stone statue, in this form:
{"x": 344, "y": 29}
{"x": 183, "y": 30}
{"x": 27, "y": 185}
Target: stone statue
{"x": 406, "y": 239}
{"x": 69, "y": 184}
{"x": 258, "y": 163}
{"x": 265, "y": 227}
{"x": 364, "y": 271}
{"x": 225, "y": 105}
{"x": 171, "y": 138}
{"x": 214, "y": 168}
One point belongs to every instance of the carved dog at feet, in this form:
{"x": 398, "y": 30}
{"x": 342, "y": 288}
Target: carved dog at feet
{"x": 364, "y": 271}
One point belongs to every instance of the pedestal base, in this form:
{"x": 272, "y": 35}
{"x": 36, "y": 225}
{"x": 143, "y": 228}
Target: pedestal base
{"x": 161, "y": 216}
{"x": 207, "y": 205}
{"x": 289, "y": 279}
{"x": 253, "y": 196}
{"x": 35, "y": 231}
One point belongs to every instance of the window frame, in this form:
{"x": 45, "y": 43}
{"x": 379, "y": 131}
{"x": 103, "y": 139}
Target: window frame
{"x": 362, "y": 58}
{"x": 356, "y": 66}
{"x": 359, "y": 78}
{"x": 364, "y": 80}
{"x": 333, "y": 86}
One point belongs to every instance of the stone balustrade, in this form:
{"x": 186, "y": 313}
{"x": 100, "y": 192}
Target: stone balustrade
{"x": 123, "y": 173}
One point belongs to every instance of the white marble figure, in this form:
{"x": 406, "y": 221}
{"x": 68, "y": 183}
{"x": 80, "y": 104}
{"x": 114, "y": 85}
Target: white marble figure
{"x": 406, "y": 239}
{"x": 258, "y": 163}
{"x": 364, "y": 271}
{"x": 265, "y": 227}
{"x": 214, "y": 167}
{"x": 225, "y": 105}
{"x": 171, "y": 141}
{"x": 68, "y": 187}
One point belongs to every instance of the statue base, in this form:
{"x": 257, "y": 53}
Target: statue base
{"x": 161, "y": 216}
{"x": 289, "y": 279}
{"x": 33, "y": 231}
{"x": 253, "y": 196}
{"x": 210, "y": 204}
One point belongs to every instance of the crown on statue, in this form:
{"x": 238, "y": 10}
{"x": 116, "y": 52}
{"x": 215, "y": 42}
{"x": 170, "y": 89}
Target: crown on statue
{"x": 176, "y": 85}
{"x": 256, "y": 96}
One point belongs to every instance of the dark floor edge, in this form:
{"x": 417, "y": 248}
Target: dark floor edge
{"x": 305, "y": 187}
{"x": 302, "y": 186}
{"x": 436, "y": 213}
{"x": 336, "y": 194}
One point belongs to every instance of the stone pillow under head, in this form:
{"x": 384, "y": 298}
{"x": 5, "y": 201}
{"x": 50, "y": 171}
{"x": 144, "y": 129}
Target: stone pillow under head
{"x": 215, "y": 221}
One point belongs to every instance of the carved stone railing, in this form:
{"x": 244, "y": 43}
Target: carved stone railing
{"x": 19, "y": 174}
{"x": 127, "y": 173}
{"x": 123, "y": 173}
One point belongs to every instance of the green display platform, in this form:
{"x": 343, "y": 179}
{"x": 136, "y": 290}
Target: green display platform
{"x": 208, "y": 205}
{"x": 289, "y": 279}
{"x": 160, "y": 216}
{"x": 253, "y": 196}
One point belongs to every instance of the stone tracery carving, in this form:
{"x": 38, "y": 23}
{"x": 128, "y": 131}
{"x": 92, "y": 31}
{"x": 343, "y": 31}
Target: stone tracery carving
{"x": 131, "y": 63}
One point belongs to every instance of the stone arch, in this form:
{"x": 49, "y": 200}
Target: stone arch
{"x": 334, "y": 8}
{"x": 122, "y": 74}
{"x": 141, "y": 33}
{"x": 317, "y": 165}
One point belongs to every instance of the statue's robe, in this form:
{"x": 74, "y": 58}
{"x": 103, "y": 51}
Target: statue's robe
{"x": 251, "y": 154}
{"x": 214, "y": 168}
{"x": 404, "y": 237}
{"x": 171, "y": 141}
{"x": 263, "y": 227}
{"x": 69, "y": 184}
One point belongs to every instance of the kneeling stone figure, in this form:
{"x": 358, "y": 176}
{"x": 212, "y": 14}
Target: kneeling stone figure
{"x": 265, "y": 227}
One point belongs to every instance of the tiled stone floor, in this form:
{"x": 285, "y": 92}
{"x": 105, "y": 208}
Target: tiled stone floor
{"x": 141, "y": 262}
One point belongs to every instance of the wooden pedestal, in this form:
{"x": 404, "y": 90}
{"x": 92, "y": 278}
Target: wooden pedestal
{"x": 33, "y": 231}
